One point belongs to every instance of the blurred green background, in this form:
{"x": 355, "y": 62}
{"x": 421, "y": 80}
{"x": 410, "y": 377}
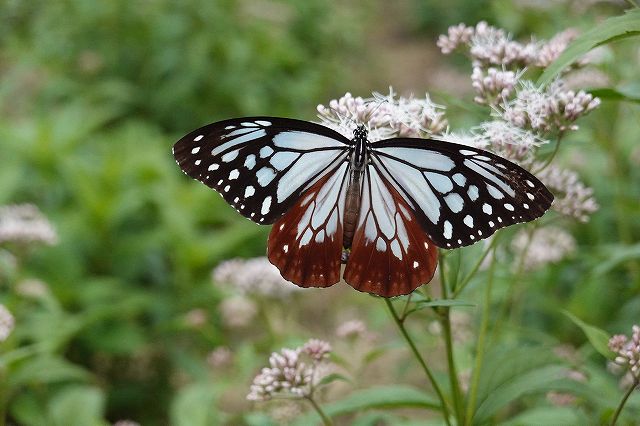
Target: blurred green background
{"x": 93, "y": 94}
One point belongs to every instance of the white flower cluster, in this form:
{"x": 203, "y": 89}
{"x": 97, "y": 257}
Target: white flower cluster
{"x": 351, "y": 329}
{"x": 627, "y": 351}
{"x": 494, "y": 86}
{"x": 572, "y": 197}
{"x": 253, "y": 276}
{"x": 6, "y": 323}
{"x": 550, "y": 110}
{"x": 489, "y": 45}
{"x": 25, "y": 223}
{"x": 545, "y": 245}
{"x": 288, "y": 374}
{"x": 385, "y": 116}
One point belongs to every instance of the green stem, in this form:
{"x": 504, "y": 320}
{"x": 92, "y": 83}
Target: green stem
{"x": 552, "y": 156}
{"x": 423, "y": 364}
{"x": 484, "y": 325}
{"x": 445, "y": 317}
{"x": 626, "y": 396}
{"x": 325, "y": 419}
{"x": 475, "y": 267}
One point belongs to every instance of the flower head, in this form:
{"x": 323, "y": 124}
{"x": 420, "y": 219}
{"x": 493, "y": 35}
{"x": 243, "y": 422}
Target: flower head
{"x": 238, "y": 311}
{"x": 627, "y": 351}
{"x": 6, "y": 323}
{"x": 25, "y": 223}
{"x": 288, "y": 374}
{"x": 351, "y": 329}
{"x": 220, "y": 357}
{"x": 548, "y": 244}
{"x": 384, "y": 116}
{"x": 572, "y": 197}
{"x": 253, "y": 276}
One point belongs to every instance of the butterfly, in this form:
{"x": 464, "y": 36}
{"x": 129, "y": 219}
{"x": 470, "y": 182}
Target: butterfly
{"x": 381, "y": 207}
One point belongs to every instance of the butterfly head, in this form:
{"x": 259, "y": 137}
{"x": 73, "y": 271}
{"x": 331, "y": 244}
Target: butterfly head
{"x": 360, "y": 133}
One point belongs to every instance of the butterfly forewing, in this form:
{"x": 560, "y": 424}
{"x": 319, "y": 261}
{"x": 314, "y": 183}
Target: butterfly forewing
{"x": 391, "y": 255}
{"x": 459, "y": 194}
{"x": 260, "y": 165}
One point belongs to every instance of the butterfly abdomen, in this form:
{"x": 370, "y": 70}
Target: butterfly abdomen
{"x": 354, "y": 190}
{"x": 352, "y": 207}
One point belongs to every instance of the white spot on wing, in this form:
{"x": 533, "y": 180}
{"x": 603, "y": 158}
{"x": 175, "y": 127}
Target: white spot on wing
{"x": 233, "y": 174}
{"x": 395, "y": 249}
{"x": 467, "y": 152}
{"x": 266, "y": 205}
{"x": 508, "y": 207}
{"x": 265, "y": 151}
{"x": 197, "y": 138}
{"x": 473, "y": 192}
{"x": 263, "y": 123}
{"x": 230, "y": 156}
{"x": 440, "y": 183}
{"x": 249, "y": 191}
{"x": 213, "y": 166}
{"x": 197, "y": 162}
{"x": 306, "y": 237}
{"x": 265, "y": 175}
{"x": 250, "y": 161}
{"x": 494, "y": 192}
{"x": 459, "y": 179}
{"x": 381, "y": 245}
{"x": 454, "y": 201}
{"x": 448, "y": 230}
{"x": 195, "y": 150}
{"x": 468, "y": 220}
{"x": 487, "y": 208}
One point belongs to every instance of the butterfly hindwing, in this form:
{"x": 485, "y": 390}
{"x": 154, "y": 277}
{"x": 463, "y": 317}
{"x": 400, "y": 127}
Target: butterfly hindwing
{"x": 306, "y": 243}
{"x": 459, "y": 194}
{"x": 260, "y": 165}
{"x": 391, "y": 255}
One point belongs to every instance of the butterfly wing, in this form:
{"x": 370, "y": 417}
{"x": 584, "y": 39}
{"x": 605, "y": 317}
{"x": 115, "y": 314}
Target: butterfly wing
{"x": 390, "y": 255}
{"x": 459, "y": 194}
{"x": 260, "y": 165}
{"x": 306, "y": 243}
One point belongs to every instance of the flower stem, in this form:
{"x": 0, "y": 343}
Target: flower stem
{"x": 626, "y": 396}
{"x": 423, "y": 364}
{"x": 445, "y": 318}
{"x": 474, "y": 269}
{"x": 325, "y": 419}
{"x": 484, "y": 325}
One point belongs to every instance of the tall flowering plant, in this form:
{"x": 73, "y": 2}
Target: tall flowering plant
{"x": 527, "y": 123}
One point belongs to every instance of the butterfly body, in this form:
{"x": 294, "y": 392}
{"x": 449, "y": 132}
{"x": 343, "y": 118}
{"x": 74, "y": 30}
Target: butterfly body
{"x": 354, "y": 189}
{"x": 391, "y": 203}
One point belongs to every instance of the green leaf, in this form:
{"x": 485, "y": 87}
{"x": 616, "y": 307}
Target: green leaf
{"x": 618, "y": 27}
{"x": 616, "y": 255}
{"x": 46, "y": 369}
{"x": 445, "y": 302}
{"x": 618, "y": 94}
{"x": 195, "y": 406}
{"x": 382, "y": 397}
{"x": 330, "y": 378}
{"x": 534, "y": 381}
{"x": 598, "y": 338}
{"x": 77, "y": 405}
{"x": 502, "y": 367}
{"x": 548, "y": 416}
